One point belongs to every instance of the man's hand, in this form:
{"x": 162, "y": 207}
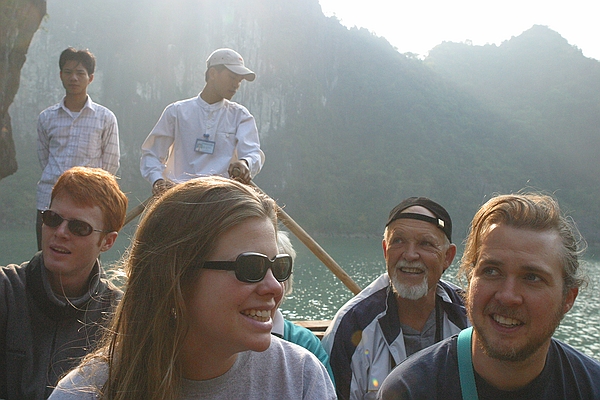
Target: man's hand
{"x": 160, "y": 186}
{"x": 239, "y": 171}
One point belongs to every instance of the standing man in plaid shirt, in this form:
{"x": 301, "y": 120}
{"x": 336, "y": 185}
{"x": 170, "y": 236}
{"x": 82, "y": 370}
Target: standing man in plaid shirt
{"x": 76, "y": 131}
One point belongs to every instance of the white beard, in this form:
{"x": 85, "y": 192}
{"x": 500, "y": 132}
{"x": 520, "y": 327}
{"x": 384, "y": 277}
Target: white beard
{"x": 410, "y": 292}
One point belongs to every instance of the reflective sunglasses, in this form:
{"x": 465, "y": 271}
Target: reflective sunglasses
{"x": 76, "y": 227}
{"x": 252, "y": 267}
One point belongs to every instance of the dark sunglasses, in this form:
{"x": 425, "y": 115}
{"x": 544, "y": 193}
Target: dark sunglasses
{"x": 76, "y": 227}
{"x": 252, "y": 267}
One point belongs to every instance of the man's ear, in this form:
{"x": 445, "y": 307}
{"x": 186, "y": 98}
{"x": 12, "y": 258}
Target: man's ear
{"x": 449, "y": 257}
{"x": 570, "y": 299}
{"x": 211, "y": 72}
{"x": 109, "y": 240}
{"x": 91, "y": 78}
{"x": 384, "y": 246}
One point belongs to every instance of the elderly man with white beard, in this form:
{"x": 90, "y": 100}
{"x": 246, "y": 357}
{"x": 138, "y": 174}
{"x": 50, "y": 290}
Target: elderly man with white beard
{"x": 404, "y": 310}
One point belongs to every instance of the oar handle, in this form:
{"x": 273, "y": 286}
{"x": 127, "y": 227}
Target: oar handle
{"x": 137, "y": 210}
{"x": 315, "y": 248}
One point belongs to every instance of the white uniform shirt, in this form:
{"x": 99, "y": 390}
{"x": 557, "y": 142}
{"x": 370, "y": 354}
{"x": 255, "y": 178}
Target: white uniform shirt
{"x": 173, "y": 149}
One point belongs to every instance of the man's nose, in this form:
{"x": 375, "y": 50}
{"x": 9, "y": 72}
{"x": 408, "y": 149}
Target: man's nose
{"x": 62, "y": 229}
{"x": 411, "y": 253}
{"x": 508, "y": 293}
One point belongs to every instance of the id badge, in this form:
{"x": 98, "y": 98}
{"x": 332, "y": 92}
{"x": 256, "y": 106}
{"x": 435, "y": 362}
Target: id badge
{"x": 205, "y": 146}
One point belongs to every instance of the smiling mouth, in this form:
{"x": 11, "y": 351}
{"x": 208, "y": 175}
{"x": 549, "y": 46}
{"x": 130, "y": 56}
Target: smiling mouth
{"x": 59, "y": 250}
{"x": 506, "y": 321}
{"x": 411, "y": 270}
{"x": 258, "y": 315}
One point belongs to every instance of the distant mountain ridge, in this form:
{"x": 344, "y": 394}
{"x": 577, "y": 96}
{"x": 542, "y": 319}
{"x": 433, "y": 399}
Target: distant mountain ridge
{"x": 349, "y": 125}
{"x": 537, "y": 62}
{"x": 549, "y": 89}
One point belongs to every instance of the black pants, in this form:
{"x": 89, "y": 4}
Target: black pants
{"x": 38, "y": 229}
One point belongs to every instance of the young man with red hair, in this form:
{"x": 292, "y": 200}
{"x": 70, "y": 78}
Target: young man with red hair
{"x": 52, "y": 307}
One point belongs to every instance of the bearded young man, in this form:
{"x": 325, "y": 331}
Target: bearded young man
{"x": 404, "y": 310}
{"x": 521, "y": 264}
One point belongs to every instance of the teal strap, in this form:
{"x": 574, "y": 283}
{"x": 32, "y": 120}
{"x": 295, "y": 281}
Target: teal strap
{"x": 465, "y": 365}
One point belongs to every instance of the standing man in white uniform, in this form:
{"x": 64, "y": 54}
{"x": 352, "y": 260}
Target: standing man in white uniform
{"x": 206, "y": 135}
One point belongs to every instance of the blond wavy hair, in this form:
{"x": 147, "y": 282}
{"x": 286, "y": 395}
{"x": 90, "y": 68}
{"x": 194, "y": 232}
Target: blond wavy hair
{"x": 533, "y": 211}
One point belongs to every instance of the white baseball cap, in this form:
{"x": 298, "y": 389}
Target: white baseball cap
{"x": 232, "y": 60}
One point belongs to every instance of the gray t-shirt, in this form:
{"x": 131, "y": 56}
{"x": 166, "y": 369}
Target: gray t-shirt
{"x": 283, "y": 371}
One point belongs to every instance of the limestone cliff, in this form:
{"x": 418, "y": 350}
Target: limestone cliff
{"x": 19, "y": 20}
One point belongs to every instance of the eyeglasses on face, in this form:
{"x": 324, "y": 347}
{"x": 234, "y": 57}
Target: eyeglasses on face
{"x": 76, "y": 227}
{"x": 252, "y": 267}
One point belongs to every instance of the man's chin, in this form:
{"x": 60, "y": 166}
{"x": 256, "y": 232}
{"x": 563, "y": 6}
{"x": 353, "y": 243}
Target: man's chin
{"x": 410, "y": 292}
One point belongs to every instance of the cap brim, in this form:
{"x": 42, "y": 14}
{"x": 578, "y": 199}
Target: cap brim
{"x": 245, "y": 72}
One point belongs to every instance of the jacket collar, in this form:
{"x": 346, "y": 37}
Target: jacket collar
{"x": 56, "y": 307}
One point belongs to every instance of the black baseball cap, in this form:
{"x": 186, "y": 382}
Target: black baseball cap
{"x": 442, "y": 219}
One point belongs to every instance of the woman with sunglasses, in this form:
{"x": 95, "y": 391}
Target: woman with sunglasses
{"x": 203, "y": 279}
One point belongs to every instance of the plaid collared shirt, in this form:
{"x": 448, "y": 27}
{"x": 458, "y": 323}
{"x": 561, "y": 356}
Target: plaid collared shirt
{"x": 89, "y": 138}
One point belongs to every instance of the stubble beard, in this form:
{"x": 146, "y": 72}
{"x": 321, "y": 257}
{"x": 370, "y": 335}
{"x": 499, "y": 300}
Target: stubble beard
{"x": 410, "y": 292}
{"x": 513, "y": 354}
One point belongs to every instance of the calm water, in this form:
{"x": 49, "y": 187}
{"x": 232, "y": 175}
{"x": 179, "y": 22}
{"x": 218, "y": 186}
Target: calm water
{"x": 318, "y": 293}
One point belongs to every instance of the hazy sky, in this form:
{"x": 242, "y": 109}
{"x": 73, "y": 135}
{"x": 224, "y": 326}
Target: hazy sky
{"x": 419, "y": 25}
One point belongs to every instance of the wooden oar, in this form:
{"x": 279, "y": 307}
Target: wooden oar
{"x": 137, "y": 210}
{"x": 316, "y": 249}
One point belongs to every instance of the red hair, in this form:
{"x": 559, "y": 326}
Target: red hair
{"x": 89, "y": 187}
